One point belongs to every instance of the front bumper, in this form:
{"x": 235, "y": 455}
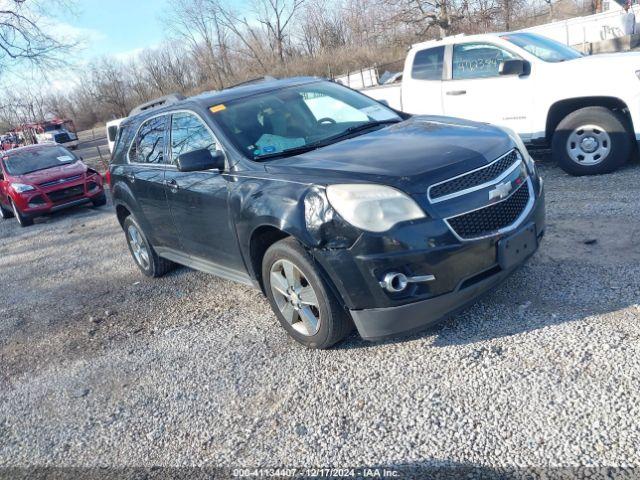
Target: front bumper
{"x": 464, "y": 272}
{"x": 378, "y": 323}
{"x": 43, "y": 201}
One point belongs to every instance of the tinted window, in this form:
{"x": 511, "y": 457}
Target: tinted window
{"x": 478, "y": 60}
{"x": 427, "y": 64}
{"x": 188, "y": 133}
{"x": 31, "y": 160}
{"x": 111, "y": 132}
{"x": 149, "y": 144}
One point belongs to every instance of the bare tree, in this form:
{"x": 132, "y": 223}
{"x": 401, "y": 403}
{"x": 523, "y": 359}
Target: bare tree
{"x": 423, "y": 15}
{"x": 24, "y": 39}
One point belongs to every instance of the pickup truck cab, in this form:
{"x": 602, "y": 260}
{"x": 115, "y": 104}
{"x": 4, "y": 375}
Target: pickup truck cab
{"x": 587, "y": 108}
{"x": 341, "y": 210}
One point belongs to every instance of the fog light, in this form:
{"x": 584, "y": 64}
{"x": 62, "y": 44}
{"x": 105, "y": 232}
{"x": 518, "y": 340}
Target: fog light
{"x": 395, "y": 282}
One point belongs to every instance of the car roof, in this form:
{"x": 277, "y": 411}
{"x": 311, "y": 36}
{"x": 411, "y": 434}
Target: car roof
{"x": 456, "y": 38}
{"x": 215, "y": 97}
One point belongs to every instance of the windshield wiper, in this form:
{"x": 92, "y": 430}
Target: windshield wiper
{"x": 290, "y": 151}
{"x": 326, "y": 141}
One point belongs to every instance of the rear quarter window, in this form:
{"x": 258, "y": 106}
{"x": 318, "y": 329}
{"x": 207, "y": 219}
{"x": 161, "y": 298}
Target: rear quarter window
{"x": 124, "y": 137}
{"x": 427, "y": 64}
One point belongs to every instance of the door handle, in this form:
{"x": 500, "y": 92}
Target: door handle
{"x": 172, "y": 184}
{"x": 456, "y": 92}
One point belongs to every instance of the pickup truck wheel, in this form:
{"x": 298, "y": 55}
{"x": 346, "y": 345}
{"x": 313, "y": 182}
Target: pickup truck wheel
{"x": 142, "y": 252}
{"x": 301, "y": 299}
{"x": 23, "y": 220}
{"x": 591, "y": 141}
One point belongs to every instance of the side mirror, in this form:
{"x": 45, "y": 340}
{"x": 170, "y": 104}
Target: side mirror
{"x": 199, "y": 160}
{"x": 514, "y": 67}
{"x": 384, "y": 102}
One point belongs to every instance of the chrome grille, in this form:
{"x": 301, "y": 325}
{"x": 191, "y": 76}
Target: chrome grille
{"x": 492, "y": 219}
{"x": 61, "y": 181}
{"x": 475, "y": 178}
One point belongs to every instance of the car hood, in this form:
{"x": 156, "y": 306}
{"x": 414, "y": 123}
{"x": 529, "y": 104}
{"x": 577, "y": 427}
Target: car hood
{"x": 53, "y": 173}
{"x": 603, "y": 63}
{"x": 410, "y": 155}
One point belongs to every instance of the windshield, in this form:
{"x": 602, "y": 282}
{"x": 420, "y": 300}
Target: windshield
{"x": 542, "y": 47}
{"x": 28, "y": 161}
{"x": 300, "y": 118}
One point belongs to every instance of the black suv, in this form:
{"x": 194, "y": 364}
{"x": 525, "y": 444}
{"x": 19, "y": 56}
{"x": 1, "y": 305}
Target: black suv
{"x": 340, "y": 209}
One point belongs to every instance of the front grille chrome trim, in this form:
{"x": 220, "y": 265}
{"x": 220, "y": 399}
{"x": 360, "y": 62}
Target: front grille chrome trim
{"x": 525, "y": 212}
{"x": 516, "y": 164}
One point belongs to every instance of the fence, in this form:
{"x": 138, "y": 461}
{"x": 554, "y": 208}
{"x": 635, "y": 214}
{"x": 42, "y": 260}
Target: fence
{"x": 582, "y": 30}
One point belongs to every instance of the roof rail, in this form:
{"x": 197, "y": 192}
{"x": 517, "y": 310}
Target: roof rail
{"x": 266, "y": 78}
{"x": 157, "y": 103}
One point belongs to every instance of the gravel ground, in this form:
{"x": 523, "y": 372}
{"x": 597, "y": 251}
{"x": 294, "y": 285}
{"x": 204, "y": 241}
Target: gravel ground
{"x": 102, "y": 366}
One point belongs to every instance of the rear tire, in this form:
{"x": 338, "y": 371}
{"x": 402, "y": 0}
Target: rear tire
{"x": 23, "y": 220}
{"x": 144, "y": 256}
{"x": 305, "y": 306}
{"x": 592, "y": 141}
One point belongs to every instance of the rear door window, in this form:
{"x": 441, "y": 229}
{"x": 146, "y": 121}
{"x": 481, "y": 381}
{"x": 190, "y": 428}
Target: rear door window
{"x": 427, "y": 64}
{"x": 148, "y": 146}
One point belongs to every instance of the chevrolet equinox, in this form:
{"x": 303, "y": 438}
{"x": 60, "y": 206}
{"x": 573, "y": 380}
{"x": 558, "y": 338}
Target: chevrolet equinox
{"x": 341, "y": 210}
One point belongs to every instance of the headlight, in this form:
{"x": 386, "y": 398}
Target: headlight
{"x": 21, "y": 187}
{"x": 523, "y": 150}
{"x": 375, "y": 208}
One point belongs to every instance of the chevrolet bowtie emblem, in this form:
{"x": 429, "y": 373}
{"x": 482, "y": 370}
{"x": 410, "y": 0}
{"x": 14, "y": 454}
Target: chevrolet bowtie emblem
{"x": 501, "y": 191}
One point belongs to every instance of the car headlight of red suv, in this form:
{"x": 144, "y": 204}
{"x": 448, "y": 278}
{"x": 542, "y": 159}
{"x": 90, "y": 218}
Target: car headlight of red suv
{"x": 22, "y": 187}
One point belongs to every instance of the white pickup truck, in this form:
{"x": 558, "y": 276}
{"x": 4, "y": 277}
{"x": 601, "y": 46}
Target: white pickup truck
{"x": 587, "y": 108}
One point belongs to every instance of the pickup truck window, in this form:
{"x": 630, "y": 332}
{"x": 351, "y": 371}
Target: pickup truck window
{"x": 478, "y": 60}
{"x": 427, "y": 64}
{"x": 302, "y": 117}
{"x": 188, "y": 133}
{"x": 542, "y": 47}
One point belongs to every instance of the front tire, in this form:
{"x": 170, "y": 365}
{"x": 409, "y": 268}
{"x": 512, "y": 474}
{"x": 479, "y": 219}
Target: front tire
{"x": 4, "y": 213}
{"x": 100, "y": 201}
{"x": 23, "y": 220}
{"x": 301, "y": 299}
{"x": 592, "y": 141}
{"x": 142, "y": 252}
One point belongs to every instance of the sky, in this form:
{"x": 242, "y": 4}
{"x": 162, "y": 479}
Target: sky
{"x": 117, "y": 27}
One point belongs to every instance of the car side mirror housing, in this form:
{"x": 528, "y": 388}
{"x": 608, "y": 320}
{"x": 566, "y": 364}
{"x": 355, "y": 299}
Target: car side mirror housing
{"x": 514, "y": 66}
{"x": 202, "y": 159}
{"x": 384, "y": 102}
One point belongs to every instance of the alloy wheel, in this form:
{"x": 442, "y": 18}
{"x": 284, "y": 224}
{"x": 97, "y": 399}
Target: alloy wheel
{"x": 138, "y": 247}
{"x": 295, "y": 297}
{"x": 588, "y": 145}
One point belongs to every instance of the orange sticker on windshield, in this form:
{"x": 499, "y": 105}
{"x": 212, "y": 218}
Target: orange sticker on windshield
{"x": 217, "y": 108}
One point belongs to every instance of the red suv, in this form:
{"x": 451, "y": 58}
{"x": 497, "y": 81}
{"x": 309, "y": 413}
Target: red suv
{"x": 41, "y": 179}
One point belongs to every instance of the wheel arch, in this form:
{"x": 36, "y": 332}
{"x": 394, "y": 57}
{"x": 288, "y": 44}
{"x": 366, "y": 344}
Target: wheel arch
{"x": 562, "y": 108}
{"x": 262, "y": 237}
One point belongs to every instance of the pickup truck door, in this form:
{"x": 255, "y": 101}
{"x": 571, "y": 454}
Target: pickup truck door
{"x": 199, "y": 201}
{"x": 422, "y": 86}
{"x": 477, "y": 91}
